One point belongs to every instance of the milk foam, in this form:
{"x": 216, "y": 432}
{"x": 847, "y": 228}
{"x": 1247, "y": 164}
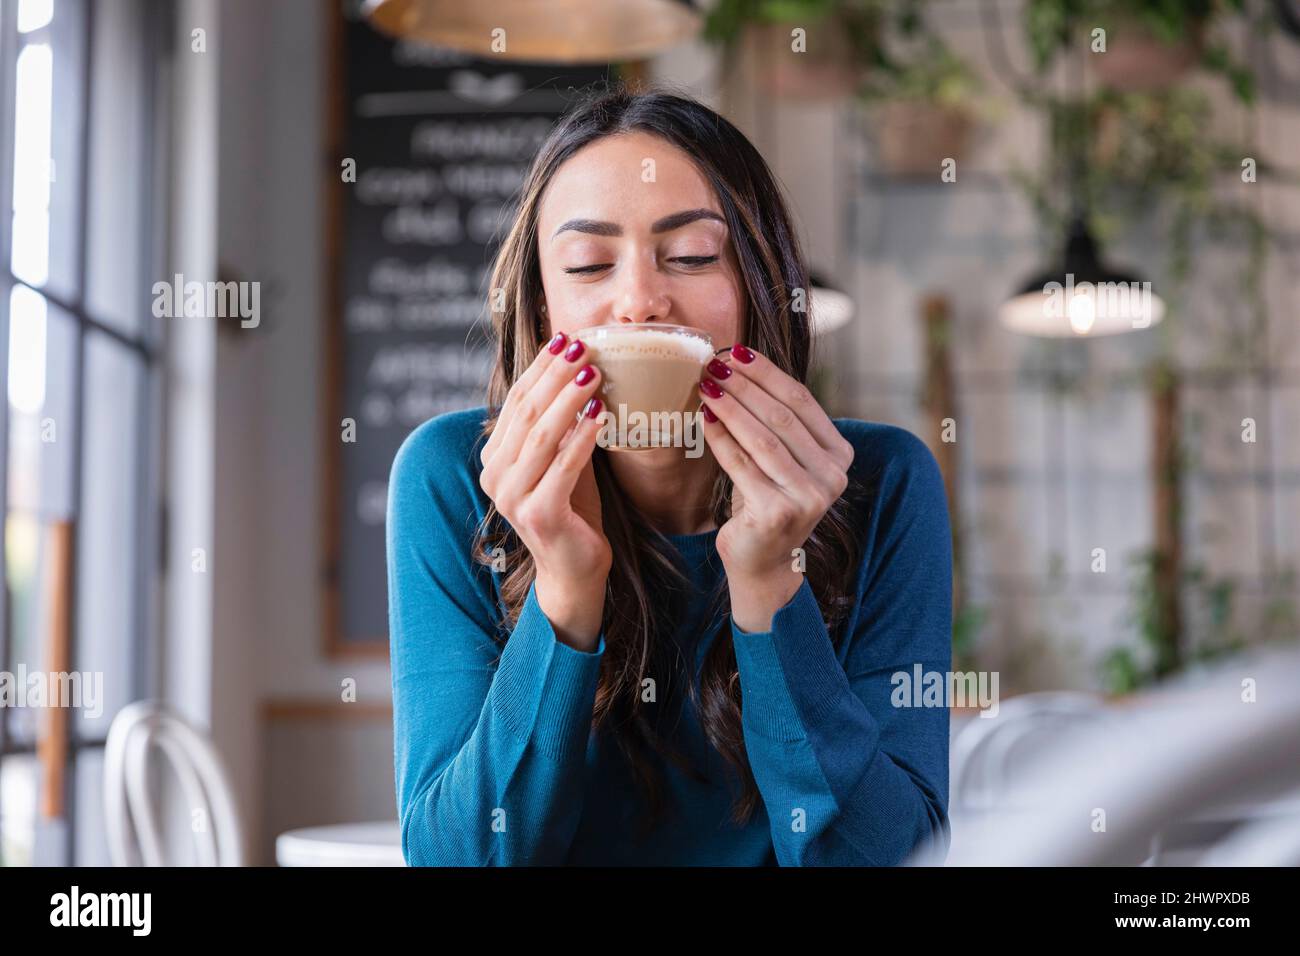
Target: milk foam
{"x": 652, "y": 344}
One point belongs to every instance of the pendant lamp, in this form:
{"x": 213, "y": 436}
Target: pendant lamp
{"x": 829, "y": 308}
{"x": 1081, "y": 296}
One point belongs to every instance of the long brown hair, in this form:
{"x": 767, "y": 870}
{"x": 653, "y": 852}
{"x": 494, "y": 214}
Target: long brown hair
{"x": 643, "y": 602}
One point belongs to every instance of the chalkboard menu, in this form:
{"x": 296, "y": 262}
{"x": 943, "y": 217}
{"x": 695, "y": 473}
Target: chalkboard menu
{"x": 430, "y": 149}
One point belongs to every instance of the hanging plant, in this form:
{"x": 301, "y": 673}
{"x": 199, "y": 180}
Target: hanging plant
{"x": 1146, "y": 44}
{"x": 1149, "y": 159}
{"x": 1138, "y": 152}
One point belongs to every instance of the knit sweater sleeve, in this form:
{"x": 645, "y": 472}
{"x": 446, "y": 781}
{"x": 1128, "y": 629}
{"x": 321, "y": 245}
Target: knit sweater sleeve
{"x": 848, "y": 777}
{"x": 489, "y": 742}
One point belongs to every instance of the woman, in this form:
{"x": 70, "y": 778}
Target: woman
{"x": 643, "y": 657}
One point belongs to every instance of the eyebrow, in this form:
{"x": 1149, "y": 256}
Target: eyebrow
{"x": 597, "y": 227}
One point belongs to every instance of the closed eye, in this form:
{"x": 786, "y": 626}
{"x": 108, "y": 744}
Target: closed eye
{"x": 692, "y": 261}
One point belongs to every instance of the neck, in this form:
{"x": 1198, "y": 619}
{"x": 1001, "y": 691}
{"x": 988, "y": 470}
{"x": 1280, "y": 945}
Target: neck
{"x": 671, "y": 490}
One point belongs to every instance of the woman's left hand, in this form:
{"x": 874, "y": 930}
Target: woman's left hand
{"x": 788, "y": 464}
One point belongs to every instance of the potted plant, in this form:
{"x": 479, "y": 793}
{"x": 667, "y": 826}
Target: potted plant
{"x": 924, "y": 107}
{"x": 1149, "y": 44}
{"x": 837, "y": 46}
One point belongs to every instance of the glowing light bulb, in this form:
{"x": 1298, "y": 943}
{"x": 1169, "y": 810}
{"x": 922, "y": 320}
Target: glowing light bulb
{"x": 1083, "y": 312}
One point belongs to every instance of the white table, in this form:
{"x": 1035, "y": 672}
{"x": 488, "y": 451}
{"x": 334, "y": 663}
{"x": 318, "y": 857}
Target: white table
{"x": 342, "y": 844}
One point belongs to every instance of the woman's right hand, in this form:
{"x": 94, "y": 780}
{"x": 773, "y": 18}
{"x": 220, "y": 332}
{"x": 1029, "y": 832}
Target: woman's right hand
{"x": 537, "y": 470}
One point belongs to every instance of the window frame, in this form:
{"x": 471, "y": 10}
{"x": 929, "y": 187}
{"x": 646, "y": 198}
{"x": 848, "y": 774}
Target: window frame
{"x": 145, "y": 346}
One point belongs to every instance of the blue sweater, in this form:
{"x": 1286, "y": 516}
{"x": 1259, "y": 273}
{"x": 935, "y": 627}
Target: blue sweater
{"x": 495, "y": 759}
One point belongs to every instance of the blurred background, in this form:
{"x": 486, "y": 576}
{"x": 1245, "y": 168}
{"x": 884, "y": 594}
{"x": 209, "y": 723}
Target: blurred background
{"x": 246, "y": 255}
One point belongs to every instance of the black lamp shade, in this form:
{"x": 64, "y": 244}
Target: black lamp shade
{"x": 1082, "y": 296}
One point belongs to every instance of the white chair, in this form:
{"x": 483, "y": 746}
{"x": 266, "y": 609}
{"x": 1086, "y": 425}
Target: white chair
{"x": 989, "y": 753}
{"x": 130, "y": 812}
{"x": 987, "y": 750}
{"x": 1174, "y": 756}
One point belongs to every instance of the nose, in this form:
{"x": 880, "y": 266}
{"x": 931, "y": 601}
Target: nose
{"x": 641, "y": 296}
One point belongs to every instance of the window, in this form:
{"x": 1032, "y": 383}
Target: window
{"x": 79, "y": 364}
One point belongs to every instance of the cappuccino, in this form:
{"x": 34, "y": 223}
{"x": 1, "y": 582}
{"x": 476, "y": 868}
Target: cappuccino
{"x": 649, "y": 379}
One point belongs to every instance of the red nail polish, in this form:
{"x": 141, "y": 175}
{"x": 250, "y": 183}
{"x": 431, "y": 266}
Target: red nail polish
{"x": 557, "y": 344}
{"x": 593, "y": 407}
{"x": 574, "y": 351}
{"x": 585, "y": 375}
{"x": 710, "y": 388}
{"x": 742, "y": 354}
{"x": 708, "y": 413}
{"x": 718, "y": 370}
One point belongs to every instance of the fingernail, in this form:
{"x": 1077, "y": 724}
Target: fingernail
{"x": 710, "y": 388}
{"x": 717, "y": 369}
{"x": 574, "y": 351}
{"x": 708, "y": 413}
{"x": 556, "y": 344}
{"x": 742, "y": 354}
{"x": 592, "y": 408}
{"x": 585, "y": 375}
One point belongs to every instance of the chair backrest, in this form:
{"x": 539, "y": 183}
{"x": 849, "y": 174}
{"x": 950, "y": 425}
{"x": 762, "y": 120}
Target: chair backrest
{"x": 981, "y": 762}
{"x": 131, "y": 816}
{"x": 1171, "y": 757}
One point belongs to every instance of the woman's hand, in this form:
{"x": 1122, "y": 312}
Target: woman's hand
{"x": 788, "y": 464}
{"x": 537, "y": 470}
